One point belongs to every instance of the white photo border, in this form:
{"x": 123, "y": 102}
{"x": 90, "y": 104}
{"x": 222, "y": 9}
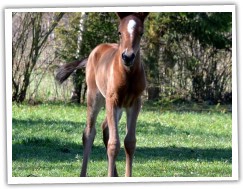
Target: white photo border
{"x": 197, "y": 8}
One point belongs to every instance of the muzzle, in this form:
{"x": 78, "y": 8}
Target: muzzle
{"x": 128, "y": 59}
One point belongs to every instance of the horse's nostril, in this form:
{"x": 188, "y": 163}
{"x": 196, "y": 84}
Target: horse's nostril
{"x": 128, "y": 58}
{"x": 124, "y": 56}
{"x": 132, "y": 57}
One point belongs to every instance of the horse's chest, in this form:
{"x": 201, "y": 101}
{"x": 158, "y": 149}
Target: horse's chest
{"x": 128, "y": 94}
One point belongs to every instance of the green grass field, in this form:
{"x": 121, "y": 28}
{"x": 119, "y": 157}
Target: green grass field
{"x": 46, "y": 142}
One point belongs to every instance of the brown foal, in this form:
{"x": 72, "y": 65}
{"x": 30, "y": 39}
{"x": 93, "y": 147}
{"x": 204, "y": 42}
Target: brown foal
{"x": 115, "y": 77}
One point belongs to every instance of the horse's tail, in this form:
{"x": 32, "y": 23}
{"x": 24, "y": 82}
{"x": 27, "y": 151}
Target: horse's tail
{"x": 66, "y": 70}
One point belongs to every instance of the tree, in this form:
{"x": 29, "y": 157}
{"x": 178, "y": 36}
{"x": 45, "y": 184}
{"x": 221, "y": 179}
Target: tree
{"x": 188, "y": 55}
{"x": 92, "y": 30}
{"x": 30, "y": 37}
{"x": 206, "y": 38}
{"x": 70, "y": 37}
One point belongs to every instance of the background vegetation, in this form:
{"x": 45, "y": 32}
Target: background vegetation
{"x": 187, "y": 56}
{"x": 185, "y": 126}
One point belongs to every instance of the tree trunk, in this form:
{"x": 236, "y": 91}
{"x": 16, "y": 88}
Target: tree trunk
{"x": 28, "y": 43}
{"x": 78, "y": 77}
{"x": 153, "y": 93}
{"x": 84, "y": 93}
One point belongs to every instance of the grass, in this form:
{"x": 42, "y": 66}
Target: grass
{"x": 46, "y": 142}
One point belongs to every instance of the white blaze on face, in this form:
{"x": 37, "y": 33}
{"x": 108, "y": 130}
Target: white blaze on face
{"x": 130, "y": 27}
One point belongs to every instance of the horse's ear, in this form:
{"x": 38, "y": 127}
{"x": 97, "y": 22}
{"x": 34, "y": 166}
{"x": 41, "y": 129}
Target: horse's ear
{"x": 142, "y": 15}
{"x": 121, "y": 15}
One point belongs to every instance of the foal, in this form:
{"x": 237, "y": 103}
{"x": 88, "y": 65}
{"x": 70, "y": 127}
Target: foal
{"x": 115, "y": 77}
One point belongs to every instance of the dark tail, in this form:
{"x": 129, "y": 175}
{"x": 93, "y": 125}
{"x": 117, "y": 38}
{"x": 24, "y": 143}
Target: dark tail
{"x": 66, "y": 70}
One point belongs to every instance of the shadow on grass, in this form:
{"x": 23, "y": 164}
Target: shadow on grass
{"x": 51, "y": 150}
{"x": 55, "y": 150}
{"x": 184, "y": 154}
{"x": 155, "y": 128}
{"x": 35, "y": 122}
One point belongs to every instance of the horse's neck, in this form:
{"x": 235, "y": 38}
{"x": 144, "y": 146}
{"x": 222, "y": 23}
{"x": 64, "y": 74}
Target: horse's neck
{"x": 137, "y": 61}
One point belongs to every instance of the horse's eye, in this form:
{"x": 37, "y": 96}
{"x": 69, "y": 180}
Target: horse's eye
{"x": 119, "y": 33}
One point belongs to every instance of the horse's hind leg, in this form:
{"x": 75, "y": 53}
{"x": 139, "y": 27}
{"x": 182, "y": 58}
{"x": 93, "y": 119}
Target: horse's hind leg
{"x": 94, "y": 103}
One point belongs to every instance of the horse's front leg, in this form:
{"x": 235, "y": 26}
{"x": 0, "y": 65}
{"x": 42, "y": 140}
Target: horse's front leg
{"x": 113, "y": 147}
{"x": 130, "y": 139}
